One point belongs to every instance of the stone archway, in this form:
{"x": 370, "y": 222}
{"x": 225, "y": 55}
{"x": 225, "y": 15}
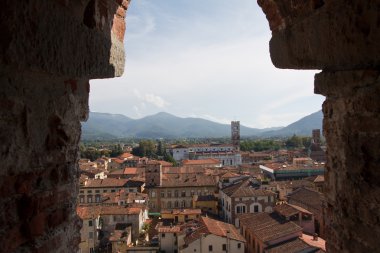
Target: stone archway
{"x": 50, "y": 49}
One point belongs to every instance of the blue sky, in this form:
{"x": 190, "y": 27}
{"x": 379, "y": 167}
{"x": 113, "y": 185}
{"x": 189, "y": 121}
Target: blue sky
{"x": 207, "y": 59}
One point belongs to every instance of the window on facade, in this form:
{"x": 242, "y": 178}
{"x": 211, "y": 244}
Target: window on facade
{"x": 104, "y": 190}
{"x": 169, "y": 204}
{"x": 113, "y": 190}
{"x": 89, "y": 199}
{"x": 183, "y": 203}
{"x": 162, "y": 194}
{"x": 192, "y": 193}
{"x": 239, "y": 245}
{"x": 89, "y": 191}
{"x": 153, "y": 194}
{"x": 183, "y": 194}
{"x": 169, "y": 194}
{"x": 256, "y": 208}
{"x": 176, "y": 193}
{"x": 90, "y": 223}
{"x": 81, "y": 191}
{"x": 176, "y": 203}
{"x": 81, "y": 199}
{"x": 209, "y": 247}
{"x": 163, "y": 235}
{"x": 97, "y": 198}
{"x": 97, "y": 191}
{"x": 224, "y": 246}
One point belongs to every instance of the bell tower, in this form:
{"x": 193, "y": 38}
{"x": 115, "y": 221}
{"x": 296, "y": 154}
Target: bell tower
{"x": 235, "y": 134}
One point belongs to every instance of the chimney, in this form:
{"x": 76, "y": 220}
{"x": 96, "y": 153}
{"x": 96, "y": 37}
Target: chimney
{"x": 315, "y": 237}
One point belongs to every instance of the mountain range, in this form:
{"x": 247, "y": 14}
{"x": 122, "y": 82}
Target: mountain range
{"x": 165, "y": 125}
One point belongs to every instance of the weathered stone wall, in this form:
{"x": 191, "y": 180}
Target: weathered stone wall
{"x": 48, "y": 52}
{"x": 352, "y": 129}
{"x": 340, "y": 37}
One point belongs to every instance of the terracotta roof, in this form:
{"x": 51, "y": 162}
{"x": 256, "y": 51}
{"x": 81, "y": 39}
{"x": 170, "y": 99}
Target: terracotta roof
{"x": 117, "y": 160}
{"x": 113, "y": 183}
{"x": 183, "y": 180}
{"x": 308, "y": 197}
{"x": 291, "y": 246}
{"x": 86, "y": 212}
{"x": 133, "y": 171}
{"x": 215, "y": 227}
{"x": 181, "y": 211}
{"x": 167, "y": 229}
{"x": 268, "y": 227}
{"x": 230, "y": 175}
{"x": 243, "y": 189}
{"x": 209, "y": 161}
{"x": 288, "y": 210}
{"x": 126, "y": 155}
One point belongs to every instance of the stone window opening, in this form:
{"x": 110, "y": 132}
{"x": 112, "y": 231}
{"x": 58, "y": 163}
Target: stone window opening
{"x": 349, "y": 59}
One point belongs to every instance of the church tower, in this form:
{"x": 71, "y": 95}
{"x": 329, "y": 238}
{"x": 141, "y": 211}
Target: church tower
{"x": 235, "y": 134}
{"x": 153, "y": 174}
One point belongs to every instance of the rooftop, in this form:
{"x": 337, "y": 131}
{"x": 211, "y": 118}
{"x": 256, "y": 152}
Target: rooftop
{"x": 288, "y": 210}
{"x": 268, "y": 227}
{"x": 243, "y": 188}
{"x": 210, "y": 226}
{"x": 187, "y": 180}
{"x": 209, "y": 161}
{"x": 87, "y": 212}
{"x": 181, "y": 211}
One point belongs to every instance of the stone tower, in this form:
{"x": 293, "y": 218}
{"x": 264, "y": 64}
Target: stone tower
{"x": 153, "y": 174}
{"x": 316, "y": 135}
{"x": 235, "y": 134}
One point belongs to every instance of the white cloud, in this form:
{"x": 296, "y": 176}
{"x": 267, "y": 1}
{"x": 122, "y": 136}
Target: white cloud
{"x": 151, "y": 98}
{"x": 156, "y": 100}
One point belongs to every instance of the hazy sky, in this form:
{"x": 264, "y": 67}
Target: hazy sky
{"x": 207, "y": 59}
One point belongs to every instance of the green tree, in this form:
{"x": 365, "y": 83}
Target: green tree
{"x": 170, "y": 159}
{"x": 116, "y": 150}
{"x": 146, "y": 148}
{"x": 294, "y": 142}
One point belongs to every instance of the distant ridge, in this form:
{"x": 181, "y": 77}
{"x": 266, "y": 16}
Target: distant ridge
{"x": 165, "y": 125}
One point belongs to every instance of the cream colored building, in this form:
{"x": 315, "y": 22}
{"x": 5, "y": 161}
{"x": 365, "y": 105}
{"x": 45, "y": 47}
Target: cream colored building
{"x": 174, "y": 191}
{"x": 241, "y": 197}
{"x": 89, "y": 231}
{"x": 211, "y": 236}
{"x": 91, "y": 190}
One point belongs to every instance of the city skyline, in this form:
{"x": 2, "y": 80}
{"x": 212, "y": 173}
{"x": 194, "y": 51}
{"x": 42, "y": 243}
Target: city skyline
{"x": 208, "y": 60}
